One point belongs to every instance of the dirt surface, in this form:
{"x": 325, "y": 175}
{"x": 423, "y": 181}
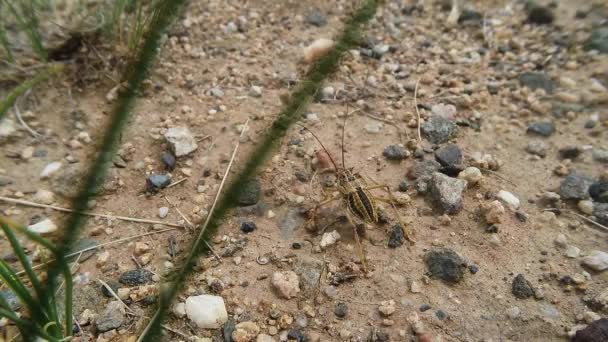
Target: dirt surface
{"x": 472, "y": 67}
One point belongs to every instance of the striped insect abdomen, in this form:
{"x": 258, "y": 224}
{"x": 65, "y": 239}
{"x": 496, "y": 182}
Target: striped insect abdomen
{"x": 360, "y": 203}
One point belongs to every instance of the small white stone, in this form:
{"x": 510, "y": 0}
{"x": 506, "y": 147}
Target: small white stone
{"x": 179, "y": 310}
{"x": 163, "y": 212}
{"x": 590, "y": 317}
{"x": 286, "y": 284}
{"x": 586, "y": 207}
{"x": 573, "y": 252}
{"x": 471, "y": 174}
{"x": 44, "y": 196}
{"x": 373, "y": 127}
{"x": 50, "y": 169}
{"x": 271, "y": 214}
{"x": 596, "y": 260}
{"x": 329, "y": 239}
{"x": 446, "y": 111}
{"x": 45, "y": 226}
{"x": 561, "y": 241}
{"x": 387, "y": 308}
{"x": 206, "y": 311}
{"x": 103, "y": 258}
{"x": 508, "y": 198}
{"x": 255, "y": 91}
{"x": 513, "y": 312}
{"x": 7, "y": 127}
{"x": 415, "y": 287}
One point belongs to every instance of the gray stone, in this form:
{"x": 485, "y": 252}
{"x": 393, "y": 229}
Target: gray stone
{"x": 181, "y": 141}
{"x": 309, "y": 270}
{"x": 395, "y": 152}
{"x": 438, "y": 130}
{"x": 11, "y": 299}
{"x": 156, "y": 182}
{"x": 136, "y": 277}
{"x": 537, "y": 147}
{"x": 396, "y": 237}
{"x": 598, "y": 40}
{"x": 113, "y": 317}
{"x": 423, "y": 168}
{"x": 80, "y": 245}
{"x": 445, "y": 264}
{"x": 542, "y": 128}
{"x": 535, "y": 80}
{"x": 450, "y": 158}
{"x": 521, "y": 288}
{"x": 249, "y": 193}
{"x": 600, "y": 155}
{"x": 316, "y": 18}
{"x": 447, "y": 192}
{"x": 600, "y": 211}
{"x": 575, "y": 186}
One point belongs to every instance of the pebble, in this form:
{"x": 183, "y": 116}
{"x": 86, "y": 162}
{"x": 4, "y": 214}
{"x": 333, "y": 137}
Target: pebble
{"x": 535, "y": 80}
{"x": 599, "y": 191}
{"x": 451, "y": 159}
{"x": 447, "y": 192}
{"x": 317, "y": 49}
{"x": 446, "y": 111}
{"x": 248, "y": 226}
{"x": 179, "y": 310}
{"x": 508, "y": 198}
{"x": 44, "y": 196}
{"x": 600, "y": 155}
{"x": 570, "y": 152}
{"x": 181, "y": 141}
{"x": 395, "y": 152}
{"x": 521, "y": 288}
{"x": 245, "y": 332}
{"x": 249, "y": 193}
{"x": 286, "y": 284}
{"x": 438, "y": 130}
{"x": 513, "y": 312}
{"x": 597, "y": 331}
{"x": 542, "y": 128}
{"x": 329, "y": 239}
{"x": 445, "y": 264}
{"x": 387, "y": 308}
{"x": 112, "y": 317}
{"x": 373, "y": 127}
{"x": 600, "y": 211}
{"x": 316, "y": 18}
{"x": 596, "y": 260}
{"x": 585, "y": 206}
{"x": 255, "y": 91}
{"x": 168, "y": 160}
{"x": 573, "y": 252}
{"x": 540, "y": 15}
{"x": 341, "y": 310}
{"x": 163, "y": 212}
{"x": 264, "y": 338}
{"x": 50, "y": 169}
{"x": 423, "y": 168}
{"x": 471, "y": 174}
{"x": 537, "y": 147}
{"x": 575, "y": 186}
{"x": 415, "y": 287}
{"x": 494, "y": 213}
{"x": 206, "y": 311}
{"x": 156, "y": 182}
{"x": 396, "y": 237}
{"x": 11, "y": 299}
{"x": 136, "y": 277}
{"x": 46, "y": 226}
{"x": 561, "y": 241}
{"x": 295, "y": 335}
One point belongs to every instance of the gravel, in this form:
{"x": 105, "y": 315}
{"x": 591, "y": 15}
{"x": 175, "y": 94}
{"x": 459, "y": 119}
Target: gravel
{"x": 446, "y": 192}
{"x": 445, "y": 264}
{"x": 438, "y": 130}
{"x": 206, "y": 311}
{"x": 181, "y": 141}
{"x": 136, "y": 277}
{"x": 395, "y": 152}
{"x": 541, "y": 128}
{"x": 451, "y": 159}
{"x": 250, "y": 193}
{"x": 535, "y": 80}
{"x": 575, "y": 186}
{"x": 521, "y": 288}
{"x": 112, "y": 317}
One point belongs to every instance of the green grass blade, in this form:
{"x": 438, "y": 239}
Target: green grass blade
{"x": 120, "y": 114}
{"x": 28, "y": 22}
{"x": 10, "y": 99}
{"x": 10, "y": 278}
{"x": 303, "y": 95}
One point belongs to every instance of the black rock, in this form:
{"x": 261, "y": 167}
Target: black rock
{"x": 396, "y": 238}
{"x": 441, "y": 315}
{"x": 341, "y": 310}
{"x": 248, "y": 226}
{"x": 395, "y": 152}
{"x": 168, "y": 160}
{"x": 424, "y": 307}
{"x": 469, "y": 14}
{"x": 570, "y": 152}
{"x": 542, "y": 128}
{"x": 589, "y": 124}
{"x": 250, "y": 193}
{"x": 296, "y": 245}
{"x": 316, "y": 18}
{"x": 11, "y": 299}
{"x": 575, "y": 186}
{"x": 492, "y": 229}
{"x": 597, "y": 331}
{"x": 540, "y": 15}
{"x": 295, "y": 335}
{"x": 450, "y": 158}
{"x": 445, "y": 264}
{"x": 156, "y": 182}
{"x": 302, "y": 175}
{"x": 473, "y": 269}
{"x": 438, "y": 130}
{"x": 113, "y": 284}
{"x": 599, "y": 191}
{"x": 135, "y": 277}
{"x": 598, "y": 40}
{"x": 535, "y": 80}
{"x": 229, "y": 328}
{"x": 521, "y": 288}
{"x": 446, "y": 192}
{"x": 521, "y": 216}
{"x": 404, "y": 186}
{"x": 423, "y": 168}
{"x": 600, "y": 211}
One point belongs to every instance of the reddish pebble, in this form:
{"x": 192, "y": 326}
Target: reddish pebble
{"x": 324, "y": 161}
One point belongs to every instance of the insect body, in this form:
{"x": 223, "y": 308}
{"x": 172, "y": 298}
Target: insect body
{"x": 357, "y": 197}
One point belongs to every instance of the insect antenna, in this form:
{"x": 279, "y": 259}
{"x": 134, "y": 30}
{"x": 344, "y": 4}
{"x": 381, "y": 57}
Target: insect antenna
{"x": 343, "y": 127}
{"x": 323, "y": 146}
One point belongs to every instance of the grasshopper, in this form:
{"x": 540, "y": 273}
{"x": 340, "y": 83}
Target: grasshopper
{"x": 355, "y": 193}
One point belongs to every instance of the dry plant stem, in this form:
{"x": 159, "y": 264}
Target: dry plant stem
{"x": 416, "y": 106}
{"x": 497, "y": 175}
{"x": 176, "y": 183}
{"x": 123, "y": 218}
{"x": 580, "y": 216}
{"x": 102, "y": 245}
{"x": 20, "y": 119}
